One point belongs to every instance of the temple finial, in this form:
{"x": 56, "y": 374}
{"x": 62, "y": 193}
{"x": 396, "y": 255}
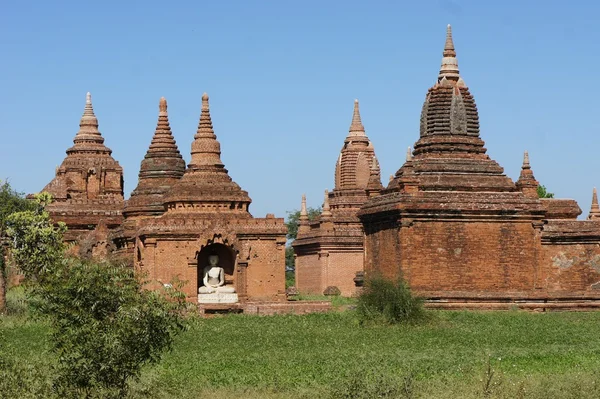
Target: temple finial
{"x": 408, "y": 154}
{"x": 449, "y": 69}
{"x": 162, "y": 105}
{"x": 527, "y": 183}
{"x": 526, "y": 164}
{"x": 206, "y": 150}
{"x": 303, "y": 211}
{"x": 326, "y": 209}
{"x": 88, "y": 98}
{"x": 595, "y": 209}
{"x": 356, "y": 127}
{"x": 449, "y": 50}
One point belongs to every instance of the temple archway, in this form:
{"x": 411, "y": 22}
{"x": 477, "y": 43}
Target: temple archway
{"x": 226, "y": 260}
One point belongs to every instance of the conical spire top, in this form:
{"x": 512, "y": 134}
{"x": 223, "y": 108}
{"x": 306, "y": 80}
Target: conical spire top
{"x": 526, "y": 164}
{"x": 449, "y": 50}
{"x": 206, "y": 150}
{"x": 449, "y": 69}
{"x": 527, "y": 183}
{"x": 88, "y": 138}
{"x": 356, "y": 127}
{"x": 303, "y": 212}
{"x": 595, "y": 209}
{"x": 163, "y": 145}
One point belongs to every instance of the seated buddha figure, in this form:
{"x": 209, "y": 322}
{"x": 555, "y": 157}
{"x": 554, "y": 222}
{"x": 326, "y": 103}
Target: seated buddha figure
{"x": 214, "y": 278}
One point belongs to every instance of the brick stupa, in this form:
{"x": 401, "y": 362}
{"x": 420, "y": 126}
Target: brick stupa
{"x": 206, "y": 212}
{"x": 160, "y": 170}
{"x": 457, "y": 228}
{"x": 329, "y": 251}
{"x": 88, "y": 186}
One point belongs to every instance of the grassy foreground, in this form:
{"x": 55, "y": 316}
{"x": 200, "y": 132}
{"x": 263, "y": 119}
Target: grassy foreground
{"x": 451, "y": 355}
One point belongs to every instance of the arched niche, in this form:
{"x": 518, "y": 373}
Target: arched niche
{"x": 226, "y": 260}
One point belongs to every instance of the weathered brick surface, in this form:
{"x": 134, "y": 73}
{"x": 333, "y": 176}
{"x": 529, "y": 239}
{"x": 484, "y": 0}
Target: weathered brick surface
{"x": 329, "y": 251}
{"x": 204, "y": 211}
{"x": 458, "y": 229}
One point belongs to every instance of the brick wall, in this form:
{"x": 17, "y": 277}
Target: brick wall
{"x": 340, "y": 269}
{"x": 571, "y": 269}
{"x": 266, "y": 269}
{"x": 445, "y": 257}
{"x": 308, "y": 274}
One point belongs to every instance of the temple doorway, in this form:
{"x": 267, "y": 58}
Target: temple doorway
{"x": 226, "y": 261}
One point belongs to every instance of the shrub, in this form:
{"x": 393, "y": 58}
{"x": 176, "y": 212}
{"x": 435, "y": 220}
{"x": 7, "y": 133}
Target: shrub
{"x": 106, "y": 326}
{"x": 383, "y": 300}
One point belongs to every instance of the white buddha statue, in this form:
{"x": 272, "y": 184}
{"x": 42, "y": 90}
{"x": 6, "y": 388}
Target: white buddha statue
{"x": 214, "y": 278}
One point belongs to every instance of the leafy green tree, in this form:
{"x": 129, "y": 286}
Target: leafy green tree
{"x": 543, "y": 193}
{"x": 293, "y": 218}
{"x": 105, "y": 325}
{"x": 10, "y": 202}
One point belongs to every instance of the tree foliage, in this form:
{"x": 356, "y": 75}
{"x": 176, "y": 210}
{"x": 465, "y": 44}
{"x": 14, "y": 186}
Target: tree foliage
{"x": 293, "y": 218}
{"x": 292, "y": 227}
{"x": 543, "y": 193}
{"x": 10, "y": 202}
{"x": 105, "y": 325}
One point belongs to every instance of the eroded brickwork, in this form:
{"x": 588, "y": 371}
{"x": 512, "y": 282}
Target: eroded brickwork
{"x": 457, "y": 229}
{"x": 329, "y": 251}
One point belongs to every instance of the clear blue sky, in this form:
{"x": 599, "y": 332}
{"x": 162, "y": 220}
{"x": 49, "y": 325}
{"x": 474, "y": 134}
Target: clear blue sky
{"x": 282, "y": 77}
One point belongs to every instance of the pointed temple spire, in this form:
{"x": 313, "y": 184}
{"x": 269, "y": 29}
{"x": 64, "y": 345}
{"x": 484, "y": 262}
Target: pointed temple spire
{"x": 160, "y": 169}
{"x": 88, "y": 138}
{"x": 354, "y": 163}
{"x": 595, "y": 208}
{"x": 356, "y": 127}
{"x": 527, "y": 183}
{"x": 99, "y": 175}
{"x": 206, "y": 186}
{"x": 526, "y": 164}
{"x": 303, "y": 212}
{"x": 206, "y": 150}
{"x": 449, "y": 68}
{"x": 326, "y": 208}
{"x": 163, "y": 143}
{"x": 303, "y": 221}
{"x": 374, "y": 185}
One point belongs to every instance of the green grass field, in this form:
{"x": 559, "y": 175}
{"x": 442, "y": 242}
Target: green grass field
{"x": 451, "y": 355}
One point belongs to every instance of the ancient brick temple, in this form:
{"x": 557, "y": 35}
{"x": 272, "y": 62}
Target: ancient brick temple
{"x": 88, "y": 188}
{"x": 329, "y": 251}
{"x": 450, "y": 221}
{"x": 177, "y": 217}
{"x": 458, "y": 229}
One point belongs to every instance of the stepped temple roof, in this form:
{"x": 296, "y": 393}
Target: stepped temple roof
{"x": 160, "y": 169}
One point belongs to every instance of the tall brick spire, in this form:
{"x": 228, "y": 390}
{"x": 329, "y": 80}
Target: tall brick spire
{"x": 450, "y": 154}
{"x": 206, "y": 150}
{"x": 326, "y": 212}
{"x": 356, "y": 127}
{"x": 160, "y": 169}
{"x": 303, "y": 220}
{"x": 354, "y": 163}
{"x": 206, "y": 186}
{"x": 527, "y": 183}
{"x": 449, "y": 69}
{"x": 88, "y": 139}
{"x": 595, "y": 209}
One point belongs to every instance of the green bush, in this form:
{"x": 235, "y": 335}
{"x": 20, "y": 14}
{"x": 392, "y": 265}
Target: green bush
{"x": 383, "y": 300}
